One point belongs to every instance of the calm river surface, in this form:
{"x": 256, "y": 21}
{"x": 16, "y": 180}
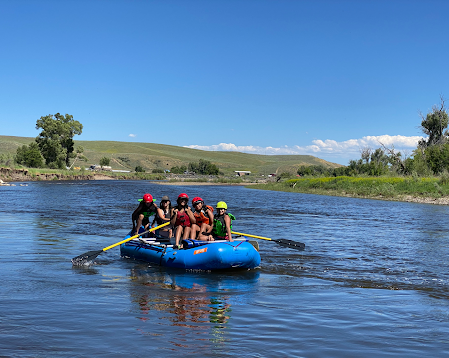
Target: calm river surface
{"x": 372, "y": 282}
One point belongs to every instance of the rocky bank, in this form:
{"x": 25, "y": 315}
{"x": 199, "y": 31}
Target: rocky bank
{"x": 8, "y": 175}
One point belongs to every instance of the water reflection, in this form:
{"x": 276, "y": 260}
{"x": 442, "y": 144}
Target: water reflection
{"x": 198, "y": 304}
{"x": 85, "y": 270}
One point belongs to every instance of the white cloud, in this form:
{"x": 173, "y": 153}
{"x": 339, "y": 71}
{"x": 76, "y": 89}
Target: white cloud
{"x": 347, "y": 149}
{"x": 132, "y": 135}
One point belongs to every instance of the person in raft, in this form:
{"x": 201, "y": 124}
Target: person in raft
{"x": 222, "y": 225}
{"x": 141, "y": 216}
{"x": 204, "y": 218}
{"x": 162, "y": 216}
{"x": 182, "y": 218}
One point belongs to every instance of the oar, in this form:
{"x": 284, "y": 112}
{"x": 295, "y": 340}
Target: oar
{"x": 283, "y": 242}
{"x": 90, "y": 255}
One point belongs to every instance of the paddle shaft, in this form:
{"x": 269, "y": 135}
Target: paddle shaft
{"x": 256, "y": 237}
{"x": 283, "y": 242}
{"x": 91, "y": 255}
{"x": 136, "y": 236}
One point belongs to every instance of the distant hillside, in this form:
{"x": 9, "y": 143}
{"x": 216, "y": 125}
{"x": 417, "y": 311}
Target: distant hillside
{"x": 127, "y": 155}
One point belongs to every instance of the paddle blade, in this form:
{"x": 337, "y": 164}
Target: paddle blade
{"x": 291, "y": 244}
{"x": 85, "y": 258}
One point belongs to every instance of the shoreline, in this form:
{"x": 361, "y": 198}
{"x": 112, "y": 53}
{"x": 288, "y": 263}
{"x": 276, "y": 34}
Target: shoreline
{"x": 186, "y": 183}
{"x": 399, "y": 198}
{"x": 10, "y": 176}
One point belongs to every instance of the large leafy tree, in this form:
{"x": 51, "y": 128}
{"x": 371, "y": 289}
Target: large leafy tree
{"x": 434, "y": 125}
{"x": 56, "y": 138}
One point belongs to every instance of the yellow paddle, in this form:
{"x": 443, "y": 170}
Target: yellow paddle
{"x": 283, "y": 242}
{"x": 90, "y": 255}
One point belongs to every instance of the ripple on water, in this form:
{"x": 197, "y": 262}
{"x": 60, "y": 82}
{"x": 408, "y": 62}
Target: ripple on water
{"x": 372, "y": 281}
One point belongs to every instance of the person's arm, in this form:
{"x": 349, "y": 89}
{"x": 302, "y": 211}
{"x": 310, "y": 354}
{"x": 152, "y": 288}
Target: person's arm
{"x": 161, "y": 215}
{"x": 227, "y": 220}
{"x": 211, "y": 228}
{"x": 191, "y": 216}
{"x": 135, "y": 215}
{"x": 211, "y": 221}
{"x": 174, "y": 213}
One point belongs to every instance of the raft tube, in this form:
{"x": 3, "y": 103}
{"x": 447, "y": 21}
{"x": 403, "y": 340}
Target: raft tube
{"x": 198, "y": 255}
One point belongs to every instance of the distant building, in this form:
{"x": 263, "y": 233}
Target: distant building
{"x": 241, "y": 173}
{"x": 99, "y": 167}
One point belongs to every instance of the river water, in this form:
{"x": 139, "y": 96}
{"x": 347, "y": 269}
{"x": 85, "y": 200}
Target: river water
{"x": 372, "y": 281}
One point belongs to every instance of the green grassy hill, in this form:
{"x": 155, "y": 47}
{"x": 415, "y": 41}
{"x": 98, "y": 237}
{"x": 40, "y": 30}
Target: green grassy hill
{"x": 127, "y": 155}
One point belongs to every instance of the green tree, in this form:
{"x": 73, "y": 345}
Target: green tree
{"x": 139, "y": 169}
{"x": 437, "y": 158}
{"x": 178, "y": 170}
{"x": 105, "y": 161}
{"x": 203, "y": 167}
{"x": 434, "y": 125}
{"x": 29, "y": 156}
{"x": 56, "y": 138}
{"x": 314, "y": 170}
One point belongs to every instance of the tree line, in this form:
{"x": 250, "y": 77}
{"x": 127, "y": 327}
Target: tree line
{"x": 431, "y": 157}
{"x": 203, "y": 167}
{"x": 54, "y": 148}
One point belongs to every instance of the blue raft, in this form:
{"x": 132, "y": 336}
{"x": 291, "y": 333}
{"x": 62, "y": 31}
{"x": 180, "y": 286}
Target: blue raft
{"x": 195, "y": 255}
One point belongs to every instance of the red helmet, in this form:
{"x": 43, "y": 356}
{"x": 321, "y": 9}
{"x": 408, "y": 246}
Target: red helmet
{"x": 183, "y": 196}
{"x": 196, "y": 200}
{"x": 148, "y": 198}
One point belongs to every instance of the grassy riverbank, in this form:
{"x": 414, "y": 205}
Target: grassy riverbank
{"x": 415, "y": 189}
{"x": 434, "y": 190}
{"x": 32, "y": 174}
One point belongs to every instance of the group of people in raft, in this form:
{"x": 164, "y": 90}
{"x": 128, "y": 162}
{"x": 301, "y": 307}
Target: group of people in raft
{"x": 198, "y": 222}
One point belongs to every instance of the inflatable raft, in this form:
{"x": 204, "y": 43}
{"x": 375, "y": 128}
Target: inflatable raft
{"x": 194, "y": 255}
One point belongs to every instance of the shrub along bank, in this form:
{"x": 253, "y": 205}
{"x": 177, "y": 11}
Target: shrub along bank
{"x": 393, "y": 188}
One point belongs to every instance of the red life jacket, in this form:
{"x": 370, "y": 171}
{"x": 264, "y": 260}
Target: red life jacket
{"x": 182, "y": 219}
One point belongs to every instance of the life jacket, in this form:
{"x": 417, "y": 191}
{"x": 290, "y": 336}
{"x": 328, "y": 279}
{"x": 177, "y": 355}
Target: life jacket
{"x": 182, "y": 219}
{"x": 219, "y": 229}
{"x": 159, "y": 220}
{"x": 147, "y": 212}
{"x": 202, "y": 216}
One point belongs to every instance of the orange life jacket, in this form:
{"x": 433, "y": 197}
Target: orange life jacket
{"x": 202, "y": 215}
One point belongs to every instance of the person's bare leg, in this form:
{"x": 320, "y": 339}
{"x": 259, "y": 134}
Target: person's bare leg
{"x": 178, "y": 232}
{"x": 193, "y": 231}
{"x": 186, "y": 233}
{"x": 139, "y": 223}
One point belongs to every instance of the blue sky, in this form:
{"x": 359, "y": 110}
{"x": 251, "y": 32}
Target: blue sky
{"x": 324, "y": 78}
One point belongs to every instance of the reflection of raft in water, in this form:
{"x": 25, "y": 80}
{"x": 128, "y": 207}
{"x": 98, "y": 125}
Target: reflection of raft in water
{"x": 195, "y": 255}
